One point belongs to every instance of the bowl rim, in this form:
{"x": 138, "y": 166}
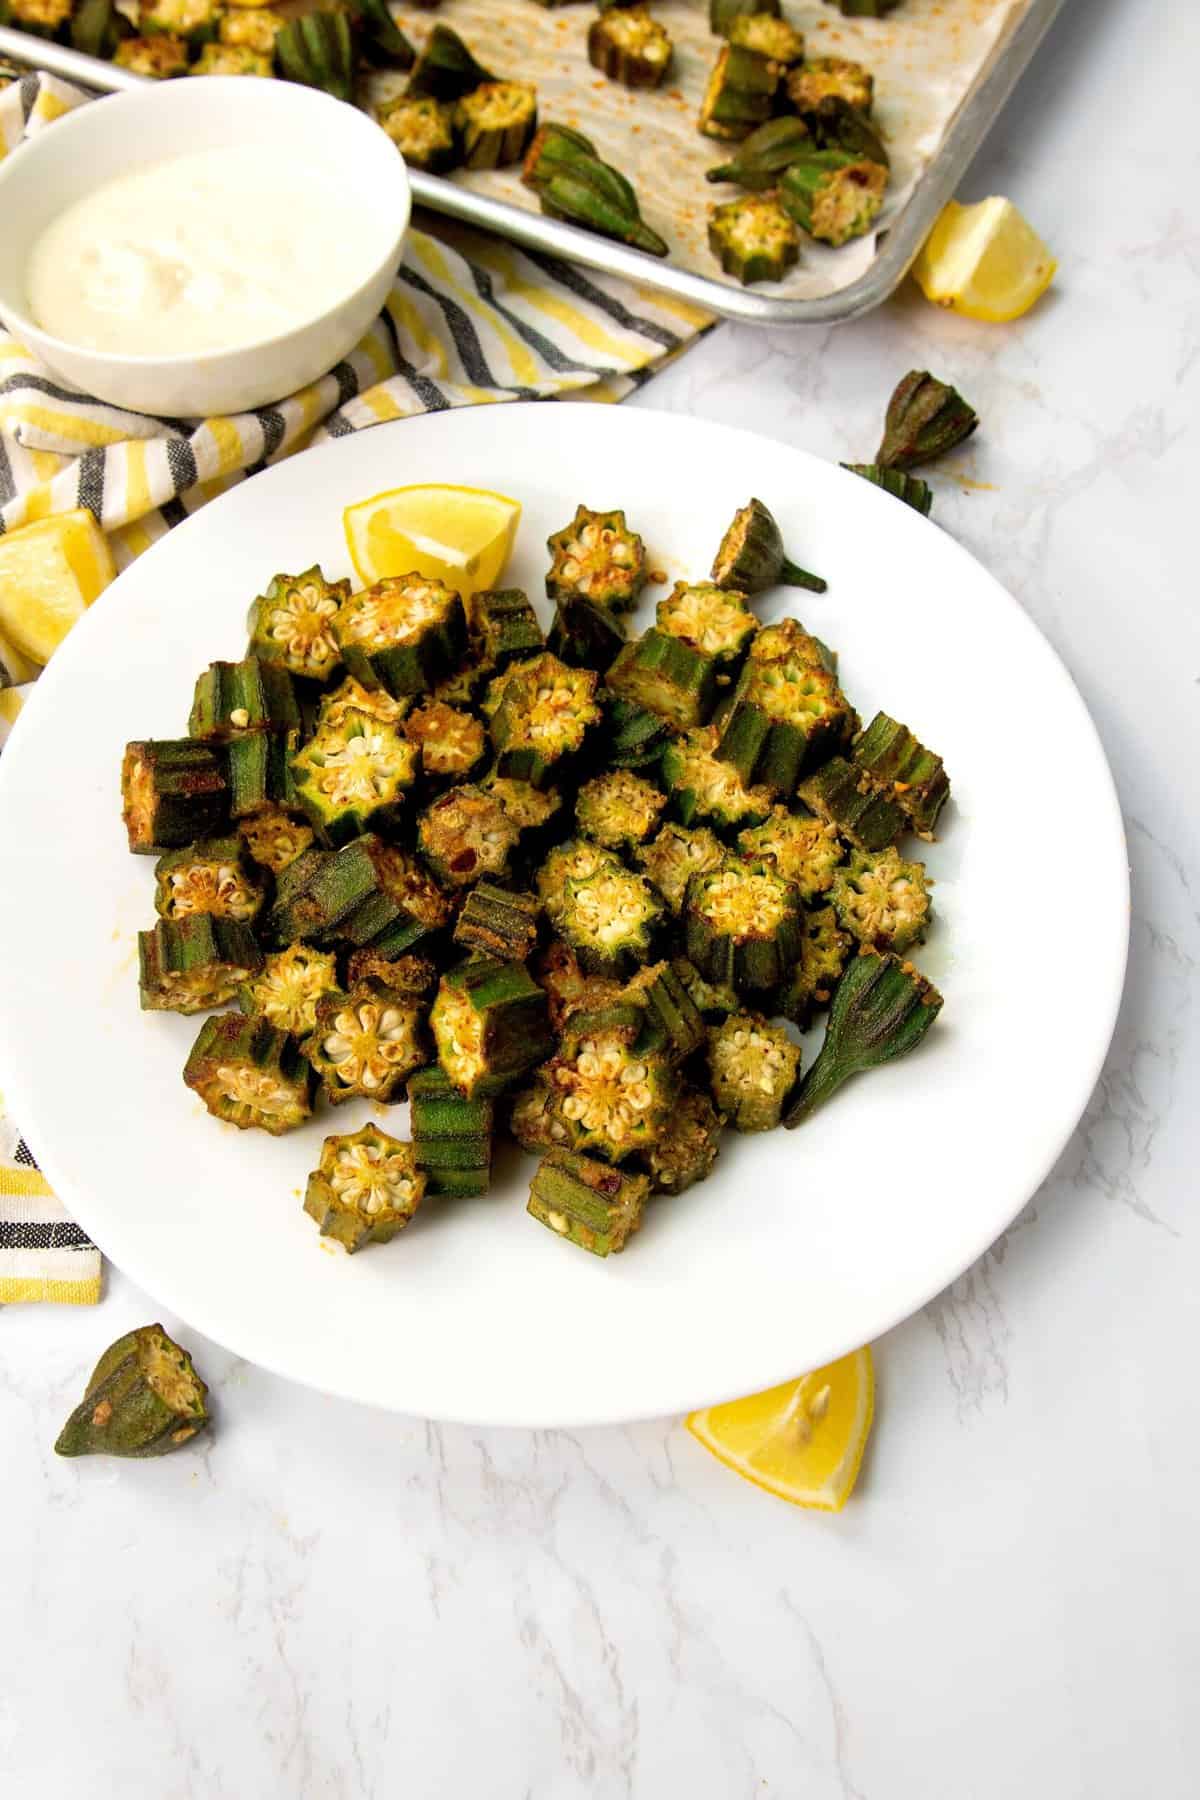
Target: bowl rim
{"x": 25, "y": 326}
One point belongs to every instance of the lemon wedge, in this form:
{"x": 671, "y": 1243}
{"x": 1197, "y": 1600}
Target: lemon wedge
{"x": 50, "y": 573}
{"x": 803, "y": 1441}
{"x": 460, "y": 535}
{"x": 984, "y": 261}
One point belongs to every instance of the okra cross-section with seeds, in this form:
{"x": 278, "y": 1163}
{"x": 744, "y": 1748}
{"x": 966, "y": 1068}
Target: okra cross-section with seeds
{"x": 575, "y": 860}
{"x": 173, "y": 791}
{"x": 495, "y": 921}
{"x": 292, "y": 624}
{"x": 703, "y": 787}
{"x": 615, "y": 1094}
{"x": 353, "y": 777}
{"x": 496, "y": 122}
{"x": 713, "y": 618}
{"x": 667, "y": 676}
{"x": 194, "y": 963}
{"x": 674, "y": 856}
{"x": 824, "y": 950}
{"x": 232, "y": 59}
{"x": 804, "y": 850}
{"x": 250, "y": 1075}
{"x": 466, "y": 835}
{"x": 285, "y": 991}
{"x": 768, "y": 35}
{"x": 144, "y": 1398}
{"x": 820, "y": 76}
{"x": 158, "y": 58}
{"x": 753, "y": 1067}
{"x": 490, "y": 1024}
{"x": 567, "y": 988}
{"x": 452, "y": 1136}
{"x": 365, "y": 1042}
{"x": 619, "y": 809}
{"x": 834, "y": 195}
{"x": 753, "y": 238}
{"x": 531, "y": 812}
{"x": 535, "y": 1117}
{"x": 250, "y": 695}
{"x": 587, "y": 1203}
{"x": 351, "y": 696}
{"x": 882, "y": 900}
{"x": 212, "y": 876}
{"x": 423, "y": 130}
{"x": 365, "y": 1189}
{"x": 452, "y": 743}
{"x": 686, "y": 1153}
{"x": 630, "y": 46}
{"x": 597, "y": 557}
{"x": 610, "y": 920}
{"x": 742, "y": 925}
{"x": 403, "y": 634}
{"x": 544, "y": 713}
{"x": 898, "y": 764}
{"x": 740, "y": 94}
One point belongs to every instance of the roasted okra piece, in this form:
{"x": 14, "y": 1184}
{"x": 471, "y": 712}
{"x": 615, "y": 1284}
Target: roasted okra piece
{"x": 824, "y": 949}
{"x": 535, "y": 1119}
{"x": 94, "y": 27}
{"x": 274, "y": 837}
{"x": 753, "y": 1067}
{"x": 543, "y": 716}
{"x": 423, "y": 130}
{"x": 251, "y": 28}
{"x": 498, "y": 922}
{"x": 490, "y": 1024}
{"x": 769, "y": 36}
{"x": 882, "y": 1009}
{"x": 803, "y": 850}
{"x": 899, "y": 764}
{"x": 821, "y": 76}
{"x": 901, "y": 486}
{"x": 619, "y": 809}
{"x": 833, "y": 194}
{"x": 366, "y": 1042}
{"x": 742, "y": 925}
{"x": 674, "y": 856}
{"x": 317, "y": 50}
{"x": 740, "y": 94}
{"x": 466, "y": 834}
{"x": 751, "y": 556}
{"x": 231, "y": 59}
{"x": 599, "y": 198}
{"x": 452, "y": 743}
{"x": 531, "y": 812}
{"x": 753, "y": 238}
{"x": 496, "y": 123}
{"x": 250, "y": 1075}
{"x": 629, "y": 46}
{"x": 350, "y": 696}
{"x": 587, "y": 1203}
{"x": 286, "y": 989}
{"x": 925, "y": 418}
{"x": 786, "y": 715}
{"x": 365, "y": 1189}
{"x": 39, "y": 18}
{"x": 713, "y": 618}
{"x": 685, "y": 1154}
{"x": 194, "y": 964}
{"x": 445, "y": 68}
{"x": 575, "y": 860}
{"x": 616, "y": 1092}
{"x": 407, "y": 974}
{"x": 833, "y": 124}
{"x": 634, "y": 736}
{"x": 144, "y": 1399}
{"x": 377, "y": 37}
{"x": 760, "y": 159}
{"x": 368, "y": 893}
{"x": 292, "y": 624}
{"x": 672, "y": 1021}
{"x": 159, "y": 58}
{"x": 259, "y": 765}
{"x": 567, "y": 988}
{"x": 666, "y": 675}
{"x": 505, "y": 625}
{"x": 403, "y": 634}
{"x": 173, "y": 791}
{"x": 353, "y": 777}
{"x": 212, "y": 876}
{"x": 706, "y": 790}
{"x": 452, "y": 1136}
{"x": 195, "y": 21}
{"x": 585, "y": 635}
{"x": 712, "y": 1001}
{"x": 845, "y": 798}
{"x": 882, "y": 900}
{"x": 610, "y": 920}
{"x": 722, "y": 13}
{"x": 598, "y": 558}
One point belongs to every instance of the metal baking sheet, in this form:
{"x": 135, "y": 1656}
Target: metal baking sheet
{"x": 943, "y": 69}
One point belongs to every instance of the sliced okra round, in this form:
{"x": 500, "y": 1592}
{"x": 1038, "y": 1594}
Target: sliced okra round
{"x": 194, "y": 963}
{"x": 881, "y": 900}
{"x": 742, "y": 925}
{"x": 173, "y": 791}
{"x": 366, "y": 1042}
{"x": 804, "y": 850}
{"x": 615, "y": 1096}
{"x": 452, "y": 743}
{"x": 543, "y": 715}
{"x": 598, "y": 558}
{"x": 619, "y": 809}
{"x": 365, "y": 1189}
{"x": 250, "y": 1075}
{"x": 212, "y": 876}
{"x": 610, "y": 919}
{"x": 404, "y": 634}
{"x": 275, "y": 837}
{"x": 292, "y": 624}
{"x": 285, "y": 991}
{"x": 704, "y": 789}
{"x": 144, "y": 1399}
{"x": 675, "y": 855}
{"x": 630, "y": 46}
{"x": 251, "y": 695}
{"x": 845, "y": 797}
{"x": 586, "y": 1202}
{"x": 753, "y": 1066}
{"x": 353, "y": 777}
{"x": 668, "y": 676}
{"x": 898, "y": 763}
{"x": 466, "y": 835}
{"x": 810, "y": 984}
{"x": 685, "y": 1154}
{"x": 496, "y": 123}
{"x": 490, "y": 1023}
{"x": 496, "y": 921}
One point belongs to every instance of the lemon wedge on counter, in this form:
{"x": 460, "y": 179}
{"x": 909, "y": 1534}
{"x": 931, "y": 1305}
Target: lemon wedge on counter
{"x": 984, "y": 261}
{"x": 50, "y": 573}
{"x": 460, "y": 535}
{"x": 803, "y": 1441}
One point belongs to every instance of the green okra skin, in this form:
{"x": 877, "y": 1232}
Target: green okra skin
{"x": 760, "y": 159}
{"x": 897, "y": 763}
{"x": 491, "y": 1024}
{"x": 445, "y": 68}
{"x": 587, "y": 1202}
{"x": 506, "y": 625}
{"x": 841, "y": 794}
{"x": 685, "y": 1154}
{"x": 674, "y": 855}
{"x": 498, "y": 922}
{"x": 194, "y": 964}
{"x": 925, "y": 418}
{"x": 291, "y": 916}
{"x": 705, "y": 789}
{"x": 496, "y": 123}
{"x": 671, "y": 1018}
{"x": 250, "y": 1075}
{"x": 834, "y": 123}
{"x": 96, "y": 28}
{"x": 901, "y": 486}
{"x": 246, "y": 696}
{"x": 452, "y": 1136}
{"x": 584, "y": 195}
{"x": 668, "y": 676}
{"x": 584, "y": 634}
{"x": 784, "y": 716}
{"x": 824, "y": 950}
{"x": 881, "y": 1011}
{"x": 368, "y": 892}
{"x": 742, "y": 926}
{"x": 401, "y": 658}
{"x": 556, "y": 147}
{"x": 365, "y": 1189}
{"x": 751, "y": 556}
{"x": 378, "y": 38}
{"x": 317, "y": 51}
{"x": 713, "y": 1001}
{"x": 834, "y": 195}
{"x": 144, "y": 1399}
{"x": 753, "y": 238}
{"x": 260, "y": 772}
{"x": 173, "y": 791}
{"x": 330, "y": 777}
{"x": 740, "y": 93}
{"x": 753, "y": 1066}
{"x": 627, "y": 45}
{"x": 722, "y": 13}
{"x": 635, "y": 737}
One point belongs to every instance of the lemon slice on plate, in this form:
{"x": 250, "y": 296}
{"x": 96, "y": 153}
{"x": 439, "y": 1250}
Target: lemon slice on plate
{"x": 803, "y": 1441}
{"x": 984, "y": 261}
{"x": 460, "y": 535}
{"x": 50, "y": 573}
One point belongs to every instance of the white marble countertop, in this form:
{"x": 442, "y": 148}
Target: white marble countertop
{"x": 331, "y": 1602}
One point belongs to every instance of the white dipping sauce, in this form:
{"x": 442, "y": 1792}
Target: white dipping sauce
{"x": 210, "y": 251}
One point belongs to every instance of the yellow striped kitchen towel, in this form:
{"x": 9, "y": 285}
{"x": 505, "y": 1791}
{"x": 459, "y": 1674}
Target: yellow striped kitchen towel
{"x": 469, "y": 321}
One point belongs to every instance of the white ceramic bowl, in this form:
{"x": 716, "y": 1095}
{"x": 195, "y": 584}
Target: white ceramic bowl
{"x": 113, "y": 136}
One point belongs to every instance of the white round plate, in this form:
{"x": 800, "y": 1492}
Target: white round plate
{"x": 801, "y": 1245}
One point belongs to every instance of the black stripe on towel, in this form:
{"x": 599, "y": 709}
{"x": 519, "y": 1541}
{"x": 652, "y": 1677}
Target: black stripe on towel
{"x": 576, "y": 281}
{"x": 542, "y": 346}
{"x": 181, "y": 461}
{"x": 42, "y": 1234}
{"x": 91, "y": 482}
{"x": 466, "y": 338}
